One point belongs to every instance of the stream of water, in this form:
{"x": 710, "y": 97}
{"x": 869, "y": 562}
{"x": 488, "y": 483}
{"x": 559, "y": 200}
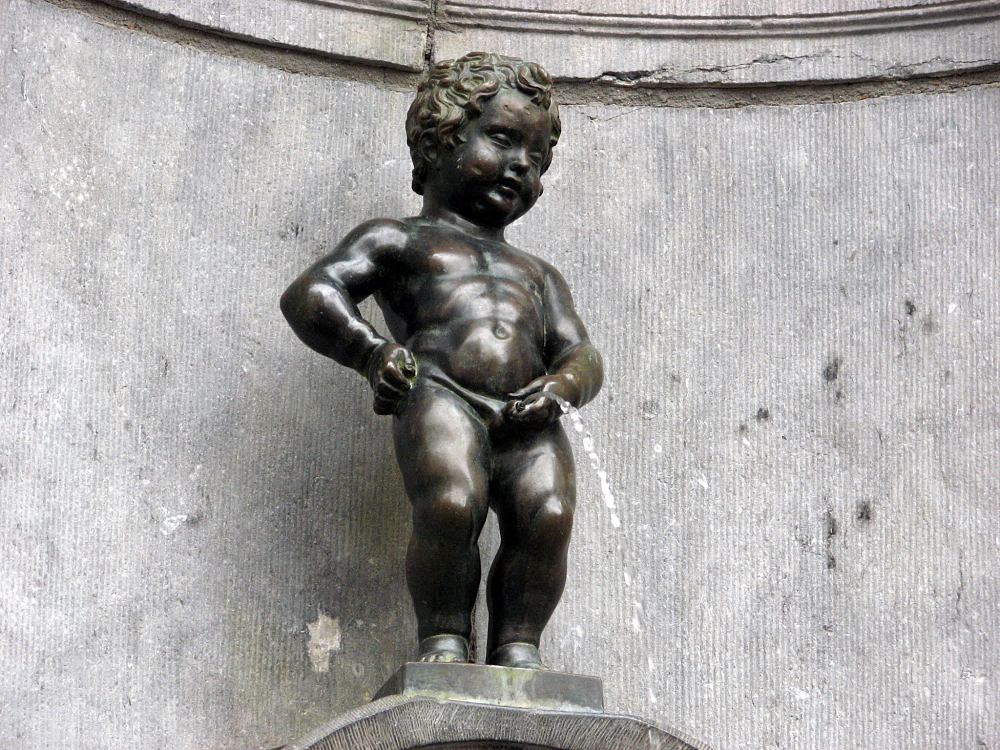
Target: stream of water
{"x": 595, "y": 461}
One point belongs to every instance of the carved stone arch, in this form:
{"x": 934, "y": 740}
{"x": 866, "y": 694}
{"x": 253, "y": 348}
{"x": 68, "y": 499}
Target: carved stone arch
{"x": 690, "y": 42}
{"x": 387, "y": 33}
{"x": 629, "y": 42}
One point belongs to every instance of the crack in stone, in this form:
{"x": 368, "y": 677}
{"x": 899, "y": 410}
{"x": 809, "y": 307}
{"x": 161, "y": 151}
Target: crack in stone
{"x": 677, "y": 76}
{"x": 433, "y": 23}
{"x": 645, "y": 88}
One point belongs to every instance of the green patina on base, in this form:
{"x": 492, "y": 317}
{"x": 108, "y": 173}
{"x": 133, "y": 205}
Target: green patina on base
{"x": 497, "y": 686}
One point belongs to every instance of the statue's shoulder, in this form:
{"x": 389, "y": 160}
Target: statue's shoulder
{"x": 376, "y": 239}
{"x": 385, "y": 233}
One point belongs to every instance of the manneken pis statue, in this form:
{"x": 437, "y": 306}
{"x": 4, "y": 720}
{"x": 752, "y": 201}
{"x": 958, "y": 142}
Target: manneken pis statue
{"x": 487, "y": 352}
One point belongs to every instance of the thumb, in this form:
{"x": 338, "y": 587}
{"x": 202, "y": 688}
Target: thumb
{"x": 407, "y": 363}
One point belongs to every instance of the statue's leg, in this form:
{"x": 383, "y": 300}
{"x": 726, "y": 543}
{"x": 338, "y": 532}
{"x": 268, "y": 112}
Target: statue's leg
{"x": 443, "y": 448}
{"x": 534, "y": 494}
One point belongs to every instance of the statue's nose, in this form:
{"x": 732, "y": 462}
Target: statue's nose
{"x": 519, "y": 162}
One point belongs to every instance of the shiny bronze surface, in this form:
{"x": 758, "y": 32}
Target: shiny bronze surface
{"x": 497, "y": 686}
{"x": 487, "y": 352}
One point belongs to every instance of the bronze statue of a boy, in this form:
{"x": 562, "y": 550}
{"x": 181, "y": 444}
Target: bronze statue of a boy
{"x": 489, "y": 353}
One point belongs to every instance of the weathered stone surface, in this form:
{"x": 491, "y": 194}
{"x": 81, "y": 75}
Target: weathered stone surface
{"x": 695, "y": 42}
{"x": 400, "y": 723}
{"x": 384, "y": 32}
{"x": 802, "y": 540}
{"x": 644, "y": 42}
{"x": 174, "y": 508}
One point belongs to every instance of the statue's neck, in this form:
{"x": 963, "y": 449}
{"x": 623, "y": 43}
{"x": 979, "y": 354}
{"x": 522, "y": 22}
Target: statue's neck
{"x": 434, "y": 209}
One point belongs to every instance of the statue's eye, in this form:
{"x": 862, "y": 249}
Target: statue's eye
{"x": 536, "y": 158}
{"x": 501, "y": 140}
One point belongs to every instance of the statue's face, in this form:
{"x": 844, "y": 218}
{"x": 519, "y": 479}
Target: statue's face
{"x": 494, "y": 175}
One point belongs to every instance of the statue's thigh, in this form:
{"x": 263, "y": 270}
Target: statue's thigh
{"x": 534, "y": 481}
{"x": 442, "y": 448}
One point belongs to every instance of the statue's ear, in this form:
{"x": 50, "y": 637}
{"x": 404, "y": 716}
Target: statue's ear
{"x": 429, "y": 149}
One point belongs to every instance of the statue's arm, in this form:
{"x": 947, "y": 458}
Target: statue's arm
{"x": 321, "y": 305}
{"x": 575, "y": 370}
{"x": 572, "y": 358}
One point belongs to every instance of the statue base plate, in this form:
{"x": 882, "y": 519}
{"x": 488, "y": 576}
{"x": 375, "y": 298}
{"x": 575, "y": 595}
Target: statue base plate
{"x": 399, "y": 722}
{"x": 496, "y": 686}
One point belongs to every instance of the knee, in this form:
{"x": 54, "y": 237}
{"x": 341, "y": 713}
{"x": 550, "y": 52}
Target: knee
{"x": 552, "y": 523}
{"x": 452, "y": 516}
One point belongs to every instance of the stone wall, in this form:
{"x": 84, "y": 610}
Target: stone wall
{"x": 204, "y": 524}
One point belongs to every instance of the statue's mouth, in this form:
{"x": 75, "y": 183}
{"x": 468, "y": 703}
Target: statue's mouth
{"x": 509, "y": 188}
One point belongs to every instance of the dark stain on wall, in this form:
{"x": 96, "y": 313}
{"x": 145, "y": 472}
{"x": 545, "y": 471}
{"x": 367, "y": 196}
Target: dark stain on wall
{"x": 832, "y": 370}
{"x": 830, "y": 530}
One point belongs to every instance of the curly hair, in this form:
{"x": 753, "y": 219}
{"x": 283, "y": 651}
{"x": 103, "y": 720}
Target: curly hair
{"x": 455, "y": 91}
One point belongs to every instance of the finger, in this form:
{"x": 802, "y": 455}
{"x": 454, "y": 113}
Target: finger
{"x": 374, "y": 367}
{"x": 535, "y": 406}
{"x": 391, "y": 390}
{"x": 389, "y": 400}
{"x": 543, "y": 409}
{"x": 393, "y": 375}
{"x": 533, "y": 387}
{"x": 383, "y": 406}
{"x": 409, "y": 364}
{"x": 393, "y": 379}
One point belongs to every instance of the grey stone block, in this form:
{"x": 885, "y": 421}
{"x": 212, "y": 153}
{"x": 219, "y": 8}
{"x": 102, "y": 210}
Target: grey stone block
{"x": 401, "y": 723}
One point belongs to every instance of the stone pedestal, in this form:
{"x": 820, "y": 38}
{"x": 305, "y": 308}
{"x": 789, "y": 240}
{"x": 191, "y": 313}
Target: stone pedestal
{"x": 476, "y": 707}
{"x": 403, "y": 723}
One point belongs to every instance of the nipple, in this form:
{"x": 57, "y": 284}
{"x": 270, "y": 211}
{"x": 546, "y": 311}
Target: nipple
{"x": 501, "y": 331}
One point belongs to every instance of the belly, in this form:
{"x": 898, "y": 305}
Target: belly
{"x": 489, "y": 356}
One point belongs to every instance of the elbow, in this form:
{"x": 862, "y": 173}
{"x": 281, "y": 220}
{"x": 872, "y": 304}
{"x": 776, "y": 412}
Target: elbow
{"x": 315, "y": 311}
{"x": 287, "y": 303}
{"x": 296, "y": 304}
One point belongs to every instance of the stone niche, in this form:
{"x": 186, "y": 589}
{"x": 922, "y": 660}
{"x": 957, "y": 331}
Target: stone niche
{"x": 796, "y": 542}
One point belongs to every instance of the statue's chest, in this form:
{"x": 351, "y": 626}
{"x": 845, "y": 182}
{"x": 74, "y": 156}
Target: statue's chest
{"x": 460, "y": 259}
{"x": 452, "y": 265}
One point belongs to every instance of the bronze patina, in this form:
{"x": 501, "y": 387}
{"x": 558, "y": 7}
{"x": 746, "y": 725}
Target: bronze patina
{"x": 487, "y": 353}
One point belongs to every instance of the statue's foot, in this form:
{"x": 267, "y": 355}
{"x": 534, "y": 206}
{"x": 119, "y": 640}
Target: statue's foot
{"x": 445, "y": 648}
{"x": 519, "y": 655}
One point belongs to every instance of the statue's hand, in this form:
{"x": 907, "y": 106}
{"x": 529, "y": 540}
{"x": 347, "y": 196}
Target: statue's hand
{"x": 539, "y": 403}
{"x": 391, "y": 371}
